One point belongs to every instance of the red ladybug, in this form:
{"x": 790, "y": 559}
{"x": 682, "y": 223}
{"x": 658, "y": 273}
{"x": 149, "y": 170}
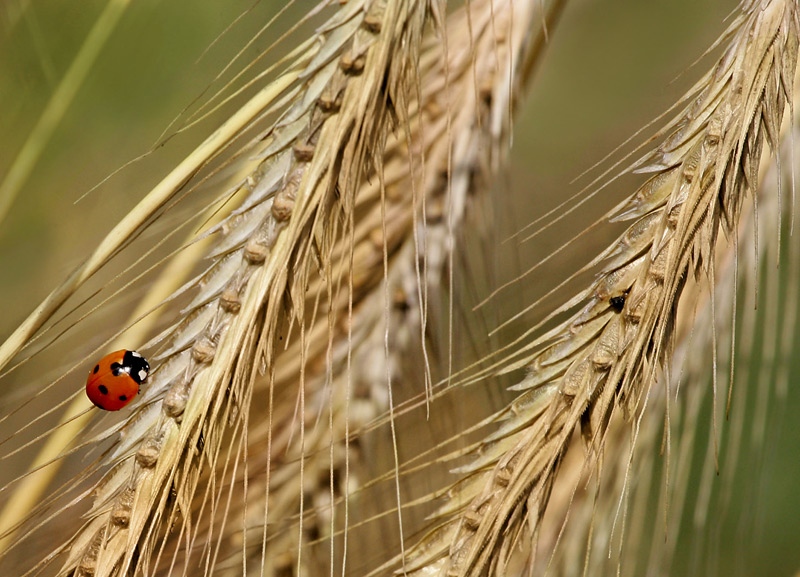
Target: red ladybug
{"x": 115, "y": 380}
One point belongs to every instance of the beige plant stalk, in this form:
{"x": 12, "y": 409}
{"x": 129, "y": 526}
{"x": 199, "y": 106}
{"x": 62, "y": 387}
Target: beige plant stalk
{"x": 283, "y": 429}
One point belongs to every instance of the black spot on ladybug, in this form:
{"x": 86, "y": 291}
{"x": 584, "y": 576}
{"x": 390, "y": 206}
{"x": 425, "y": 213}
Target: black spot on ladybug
{"x": 103, "y": 389}
{"x": 617, "y": 303}
{"x": 96, "y": 368}
{"x": 116, "y": 369}
{"x": 123, "y": 398}
{"x": 136, "y": 366}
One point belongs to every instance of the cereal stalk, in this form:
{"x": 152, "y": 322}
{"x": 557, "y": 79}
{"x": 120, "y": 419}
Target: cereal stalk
{"x": 605, "y": 358}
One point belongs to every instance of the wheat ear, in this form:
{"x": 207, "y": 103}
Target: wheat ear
{"x": 305, "y": 172}
{"x": 606, "y": 357}
{"x": 452, "y": 145}
{"x": 609, "y": 525}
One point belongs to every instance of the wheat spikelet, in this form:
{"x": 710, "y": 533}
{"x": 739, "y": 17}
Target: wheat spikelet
{"x": 170, "y": 500}
{"x": 464, "y": 109}
{"x": 607, "y": 355}
{"x": 598, "y": 533}
{"x": 303, "y": 179}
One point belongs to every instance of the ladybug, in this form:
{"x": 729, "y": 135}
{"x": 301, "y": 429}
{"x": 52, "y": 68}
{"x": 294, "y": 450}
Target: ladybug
{"x": 115, "y": 380}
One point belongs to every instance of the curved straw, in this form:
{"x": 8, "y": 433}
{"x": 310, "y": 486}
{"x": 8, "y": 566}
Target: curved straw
{"x": 58, "y": 104}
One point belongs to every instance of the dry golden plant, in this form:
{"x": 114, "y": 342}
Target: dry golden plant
{"x": 311, "y": 350}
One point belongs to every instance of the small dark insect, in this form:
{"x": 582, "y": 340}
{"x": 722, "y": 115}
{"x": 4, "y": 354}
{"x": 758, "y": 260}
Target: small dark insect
{"x": 617, "y": 303}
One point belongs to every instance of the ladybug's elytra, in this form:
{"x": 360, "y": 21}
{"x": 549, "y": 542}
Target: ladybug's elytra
{"x": 115, "y": 380}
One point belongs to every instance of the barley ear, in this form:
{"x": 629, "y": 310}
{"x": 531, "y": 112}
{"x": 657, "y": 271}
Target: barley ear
{"x": 332, "y": 110}
{"x": 435, "y": 170}
{"x": 607, "y": 356}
